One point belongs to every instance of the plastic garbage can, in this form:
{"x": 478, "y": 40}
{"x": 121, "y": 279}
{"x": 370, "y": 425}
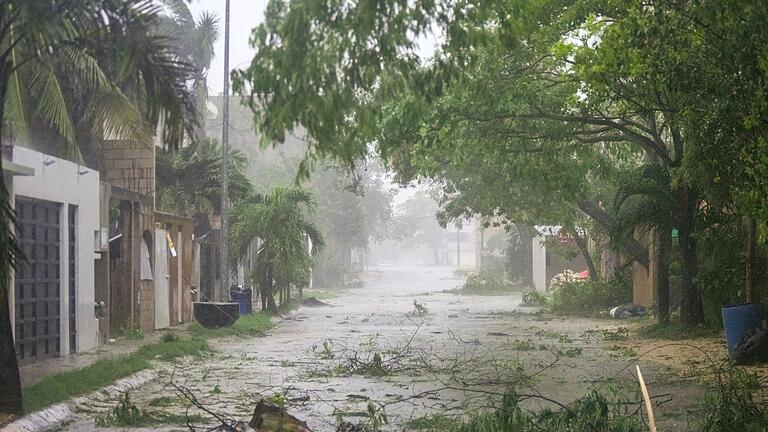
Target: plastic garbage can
{"x": 739, "y": 320}
{"x": 244, "y": 298}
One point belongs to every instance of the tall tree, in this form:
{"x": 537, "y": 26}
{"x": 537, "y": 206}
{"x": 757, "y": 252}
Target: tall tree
{"x": 193, "y": 42}
{"x": 581, "y": 73}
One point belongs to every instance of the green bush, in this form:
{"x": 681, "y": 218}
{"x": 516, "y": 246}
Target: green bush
{"x": 132, "y": 333}
{"x": 734, "y": 406}
{"x": 720, "y": 255}
{"x": 532, "y": 297}
{"x": 169, "y": 336}
{"x": 486, "y": 283}
{"x": 589, "y": 298}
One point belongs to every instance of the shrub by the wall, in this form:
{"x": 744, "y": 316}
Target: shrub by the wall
{"x": 589, "y": 298}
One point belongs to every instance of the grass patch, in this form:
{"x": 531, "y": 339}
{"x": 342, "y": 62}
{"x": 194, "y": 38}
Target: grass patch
{"x": 593, "y": 412}
{"x": 62, "y": 386}
{"x": 169, "y": 336}
{"x": 246, "y": 325}
{"x": 437, "y": 422}
{"x": 677, "y": 332}
{"x": 169, "y": 351}
{"x": 132, "y": 333}
{"x": 126, "y": 413}
{"x": 320, "y": 294}
{"x": 161, "y": 401}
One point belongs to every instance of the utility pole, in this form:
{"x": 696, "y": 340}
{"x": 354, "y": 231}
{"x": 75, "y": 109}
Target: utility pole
{"x": 225, "y": 273}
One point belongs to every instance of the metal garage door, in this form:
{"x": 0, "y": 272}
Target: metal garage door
{"x": 37, "y": 282}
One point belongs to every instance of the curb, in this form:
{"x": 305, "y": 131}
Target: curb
{"x": 54, "y": 415}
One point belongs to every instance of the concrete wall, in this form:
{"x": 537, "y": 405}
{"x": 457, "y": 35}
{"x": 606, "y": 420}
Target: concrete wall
{"x": 64, "y": 182}
{"x": 539, "y": 263}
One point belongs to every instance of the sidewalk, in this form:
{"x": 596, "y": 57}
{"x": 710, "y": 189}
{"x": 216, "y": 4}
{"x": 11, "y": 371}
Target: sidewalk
{"x": 33, "y": 372}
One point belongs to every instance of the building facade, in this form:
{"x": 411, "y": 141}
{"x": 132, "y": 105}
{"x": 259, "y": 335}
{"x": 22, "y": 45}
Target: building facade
{"x": 52, "y": 301}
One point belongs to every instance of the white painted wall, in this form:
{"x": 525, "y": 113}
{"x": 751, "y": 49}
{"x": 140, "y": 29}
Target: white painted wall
{"x": 539, "y": 263}
{"x": 67, "y": 183}
{"x": 162, "y": 281}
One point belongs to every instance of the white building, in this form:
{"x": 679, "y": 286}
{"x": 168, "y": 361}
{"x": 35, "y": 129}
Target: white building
{"x": 52, "y": 300}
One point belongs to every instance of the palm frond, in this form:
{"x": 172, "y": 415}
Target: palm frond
{"x": 53, "y": 107}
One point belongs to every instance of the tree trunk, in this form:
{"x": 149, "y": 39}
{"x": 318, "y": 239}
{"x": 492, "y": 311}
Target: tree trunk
{"x": 691, "y": 306}
{"x": 263, "y": 298}
{"x": 271, "y": 306}
{"x": 10, "y": 381}
{"x": 749, "y": 276}
{"x": 662, "y": 273}
{"x": 581, "y": 243}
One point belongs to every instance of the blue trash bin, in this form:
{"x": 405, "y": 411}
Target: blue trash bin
{"x": 248, "y": 294}
{"x": 243, "y": 297}
{"x": 739, "y": 320}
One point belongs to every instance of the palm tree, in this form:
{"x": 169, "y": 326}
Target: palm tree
{"x": 77, "y": 66}
{"x": 194, "y": 40}
{"x": 646, "y": 200}
{"x": 281, "y": 222}
{"x": 116, "y": 85}
{"x": 189, "y": 180}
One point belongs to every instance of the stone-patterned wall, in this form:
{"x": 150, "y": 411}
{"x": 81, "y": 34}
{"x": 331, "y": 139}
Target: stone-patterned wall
{"x": 146, "y": 288}
{"x": 147, "y": 306}
{"x": 131, "y": 299}
{"x": 130, "y": 166}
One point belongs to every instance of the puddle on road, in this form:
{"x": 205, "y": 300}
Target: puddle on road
{"x": 370, "y": 347}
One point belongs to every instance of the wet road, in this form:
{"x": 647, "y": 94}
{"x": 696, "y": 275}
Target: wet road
{"x": 372, "y": 345}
